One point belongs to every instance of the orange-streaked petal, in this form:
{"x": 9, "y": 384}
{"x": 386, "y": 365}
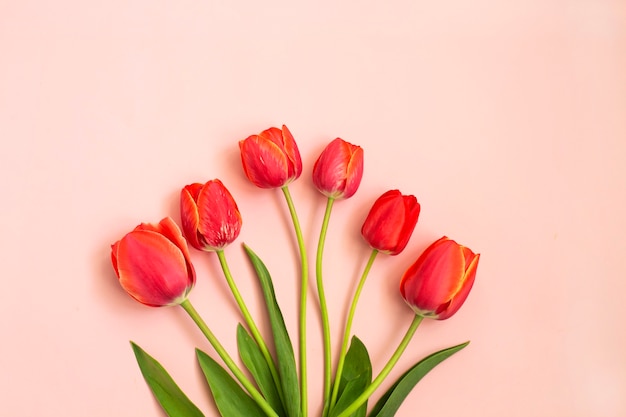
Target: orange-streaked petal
{"x": 292, "y": 152}
{"x": 189, "y": 215}
{"x": 438, "y": 283}
{"x": 219, "y": 217}
{"x": 435, "y": 276}
{"x": 169, "y": 229}
{"x": 354, "y": 171}
{"x": 463, "y": 291}
{"x": 264, "y": 162}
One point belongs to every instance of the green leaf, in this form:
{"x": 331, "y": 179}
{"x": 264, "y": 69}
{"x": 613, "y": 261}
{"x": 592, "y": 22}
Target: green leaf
{"x": 230, "y": 398}
{"x": 168, "y": 394}
{"x": 356, "y": 376}
{"x": 390, "y": 402}
{"x": 254, "y": 361}
{"x": 282, "y": 343}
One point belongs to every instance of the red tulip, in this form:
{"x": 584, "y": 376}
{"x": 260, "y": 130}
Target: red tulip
{"x": 391, "y": 221}
{"x": 338, "y": 171}
{"x": 438, "y": 283}
{"x": 210, "y": 217}
{"x": 152, "y": 264}
{"x": 271, "y": 159}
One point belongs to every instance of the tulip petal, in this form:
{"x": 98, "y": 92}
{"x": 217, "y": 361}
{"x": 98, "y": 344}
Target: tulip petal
{"x": 152, "y": 269}
{"x": 168, "y": 228}
{"x": 189, "y": 214}
{"x": 193, "y": 190}
{"x": 390, "y": 223}
{"x": 354, "y": 171}
{"x": 385, "y": 222}
{"x": 431, "y": 281}
{"x": 411, "y": 215}
{"x": 114, "y": 256}
{"x": 338, "y": 171}
{"x": 438, "y": 283}
{"x": 219, "y": 218}
{"x": 291, "y": 149}
{"x": 271, "y": 159}
{"x": 465, "y": 287}
{"x": 274, "y": 135}
{"x": 329, "y": 171}
{"x": 263, "y": 161}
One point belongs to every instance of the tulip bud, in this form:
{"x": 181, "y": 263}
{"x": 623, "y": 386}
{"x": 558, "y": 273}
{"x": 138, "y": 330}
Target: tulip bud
{"x": 271, "y": 159}
{"x": 338, "y": 171}
{"x": 152, "y": 264}
{"x": 390, "y": 222}
{"x": 210, "y": 217}
{"x": 438, "y": 283}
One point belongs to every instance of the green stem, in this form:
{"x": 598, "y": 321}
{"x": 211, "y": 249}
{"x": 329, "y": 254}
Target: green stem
{"x": 256, "y": 395}
{"x": 346, "y": 333}
{"x": 249, "y": 320}
{"x": 323, "y": 306}
{"x": 303, "y": 299}
{"x": 385, "y": 371}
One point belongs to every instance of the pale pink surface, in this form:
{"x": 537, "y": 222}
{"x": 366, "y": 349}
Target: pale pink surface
{"x": 506, "y": 119}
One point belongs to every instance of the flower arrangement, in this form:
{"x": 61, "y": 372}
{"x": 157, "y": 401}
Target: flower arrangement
{"x": 153, "y": 265}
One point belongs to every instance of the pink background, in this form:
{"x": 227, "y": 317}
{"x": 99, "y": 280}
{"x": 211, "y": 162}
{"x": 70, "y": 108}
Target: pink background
{"x": 507, "y": 119}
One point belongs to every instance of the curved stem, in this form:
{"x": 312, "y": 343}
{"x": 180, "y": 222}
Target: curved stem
{"x": 385, "y": 371}
{"x": 256, "y": 334}
{"x": 304, "y": 284}
{"x": 346, "y": 333}
{"x": 256, "y": 395}
{"x": 323, "y": 306}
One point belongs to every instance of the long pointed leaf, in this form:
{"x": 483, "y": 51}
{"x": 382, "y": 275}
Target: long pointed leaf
{"x": 230, "y": 398}
{"x": 168, "y": 394}
{"x": 282, "y": 343}
{"x": 353, "y": 389}
{"x": 254, "y": 361}
{"x": 356, "y": 376}
{"x": 390, "y": 402}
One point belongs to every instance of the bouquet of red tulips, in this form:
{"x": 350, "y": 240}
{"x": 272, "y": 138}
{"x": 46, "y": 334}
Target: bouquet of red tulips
{"x": 153, "y": 265}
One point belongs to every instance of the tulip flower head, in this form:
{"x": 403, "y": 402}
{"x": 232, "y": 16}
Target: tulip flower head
{"x": 271, "y": 159}
{"x": 390, "y": 222}
{"x": 152, "y": 264}
{"x": 210, "y": 217}
{"x": 438, "y": 283}
{"x": 338, "y": 171}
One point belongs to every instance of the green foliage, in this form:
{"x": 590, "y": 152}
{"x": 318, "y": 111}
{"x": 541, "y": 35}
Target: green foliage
{"x": 390, "y": 402}
{"x": 253, "y": 359}
{"x": 230, "y": 398}
{"x": 282, "y": 343}
{"x": 356, "y": 376}
{"x": 168, "y": 394}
